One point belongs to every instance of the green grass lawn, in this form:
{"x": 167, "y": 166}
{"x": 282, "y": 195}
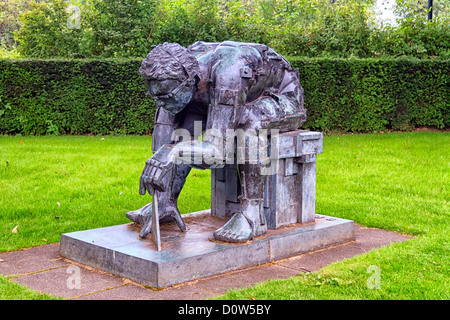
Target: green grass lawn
{"x": 396, "y": 181}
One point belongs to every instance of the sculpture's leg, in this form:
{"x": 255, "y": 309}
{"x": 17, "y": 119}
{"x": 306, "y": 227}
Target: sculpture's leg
{"x": 249, "y": 221}
{"x": 168, "y": 209}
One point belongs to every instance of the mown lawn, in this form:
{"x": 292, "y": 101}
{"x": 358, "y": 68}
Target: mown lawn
{"x": 395, "y": 181}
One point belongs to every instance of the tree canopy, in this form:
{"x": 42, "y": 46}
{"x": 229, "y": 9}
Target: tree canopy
{"x": 311, "y": 28}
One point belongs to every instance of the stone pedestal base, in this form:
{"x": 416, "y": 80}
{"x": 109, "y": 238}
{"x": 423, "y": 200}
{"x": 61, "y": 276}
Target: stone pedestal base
{"x": 194, "y": 254}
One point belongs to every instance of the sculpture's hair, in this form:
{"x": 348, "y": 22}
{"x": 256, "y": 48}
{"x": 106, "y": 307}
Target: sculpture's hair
{"x": 169, "y": 61}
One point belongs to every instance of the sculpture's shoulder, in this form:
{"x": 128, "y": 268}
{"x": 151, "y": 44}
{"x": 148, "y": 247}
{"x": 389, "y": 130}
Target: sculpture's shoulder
{"x": 222, "y": 50}
{"x": 225, "y": 61}
{"x": 257, "y": 55}
{"x": 241, "y": 48}
{"x": 200, "y": 48}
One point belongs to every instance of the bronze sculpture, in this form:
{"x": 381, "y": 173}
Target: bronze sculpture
{"x": 228, "y": 85}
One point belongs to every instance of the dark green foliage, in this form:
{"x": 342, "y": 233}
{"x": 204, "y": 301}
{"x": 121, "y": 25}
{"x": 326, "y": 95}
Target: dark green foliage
{"x": 119, "y": 28}
{"x": 108, "y": 96}
{"x": 73, "y": 97}
{"x": 310, "y": 28}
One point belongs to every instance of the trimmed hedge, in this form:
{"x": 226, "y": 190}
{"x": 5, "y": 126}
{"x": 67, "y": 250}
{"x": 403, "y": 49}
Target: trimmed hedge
{"x": 365, "y": 95}
{"x": 108, "y": 96}
{"x": 73, "y": 97}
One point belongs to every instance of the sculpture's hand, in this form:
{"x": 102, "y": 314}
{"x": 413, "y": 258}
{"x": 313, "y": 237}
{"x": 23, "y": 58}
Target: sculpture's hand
{"x": 158, "y": 172}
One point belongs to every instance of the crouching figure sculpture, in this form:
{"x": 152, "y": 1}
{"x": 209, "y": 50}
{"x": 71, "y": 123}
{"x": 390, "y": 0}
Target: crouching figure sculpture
{"x": 224, "y": 86}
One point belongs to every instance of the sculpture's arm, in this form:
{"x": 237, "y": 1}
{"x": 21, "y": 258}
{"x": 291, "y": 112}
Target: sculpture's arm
{"x": 159, "y": 169}
{"x": 278, "y": 107}
{"x": 210, "y": 153}
{"x": 227, "y": 98}
{"x": 283, "y": 101}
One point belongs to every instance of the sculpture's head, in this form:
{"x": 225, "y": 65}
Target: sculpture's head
{"x": 171, "y": 74}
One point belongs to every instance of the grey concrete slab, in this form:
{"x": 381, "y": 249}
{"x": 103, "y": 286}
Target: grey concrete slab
{"x": 69, "y": 281}
{"x": 371, "y": 238}
{"x": 30, "y": 260}
{"x": 245, "y": 278}
{"x": 125, "y": 292}
{"x": 366, "y": 239}
{"x": 136, "y": 292}
{"x": 194, "y": 254}
{"x": 324, "y": 232}
{"x": 313, "y": 261}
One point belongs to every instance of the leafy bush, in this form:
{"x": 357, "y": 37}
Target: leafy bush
{"x": 94, "y": 28}
{"x": 311, "y": 28}
{"x": 416, "y": 38}
{"x": 108, "y": 96}
{"x": 44, "y": 32}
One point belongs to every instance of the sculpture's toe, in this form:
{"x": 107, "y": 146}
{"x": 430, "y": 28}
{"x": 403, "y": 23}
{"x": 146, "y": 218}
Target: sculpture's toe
{"x": 141, "y": 215}
{"x": 244, "y": 236}
{"x": 218, "y": 234}
{"x": 133, "y": 216}
{"x": 146, "y": 228}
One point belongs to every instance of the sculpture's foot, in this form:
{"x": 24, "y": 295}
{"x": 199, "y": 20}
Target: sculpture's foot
{"x": 143, "y": 216}
{"x": 244, "y": 225}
